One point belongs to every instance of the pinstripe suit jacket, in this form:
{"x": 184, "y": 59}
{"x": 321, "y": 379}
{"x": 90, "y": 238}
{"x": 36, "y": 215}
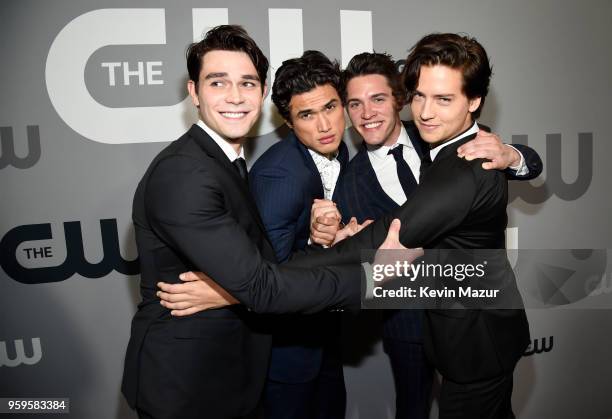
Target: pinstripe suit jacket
{"x": 284, "y": 182}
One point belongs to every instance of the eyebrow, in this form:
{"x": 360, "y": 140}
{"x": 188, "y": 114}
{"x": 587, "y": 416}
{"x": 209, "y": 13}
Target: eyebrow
{"x": 307, "y": 111}
{"x": 381, "y": 94}
{"x": 214, "y": 76}
{"x": 435, "y": 96}
{"x": 374, "y": 96}
{"x": 220, "y": 75}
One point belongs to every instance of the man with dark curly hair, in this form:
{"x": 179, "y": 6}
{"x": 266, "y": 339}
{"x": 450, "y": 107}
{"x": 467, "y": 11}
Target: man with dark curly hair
{"x": 305, "y": 378}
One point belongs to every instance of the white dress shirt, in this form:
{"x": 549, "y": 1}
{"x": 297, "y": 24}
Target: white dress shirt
{"x": 434, "y": 151}
{"x": 329, "y": 170}
{"x": 385, "y": 167}
{"x": 521, "y": 169}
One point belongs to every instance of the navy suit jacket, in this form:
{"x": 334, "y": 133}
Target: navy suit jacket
{"x": 359, "y": 194}
{"x": 284, "y": 182}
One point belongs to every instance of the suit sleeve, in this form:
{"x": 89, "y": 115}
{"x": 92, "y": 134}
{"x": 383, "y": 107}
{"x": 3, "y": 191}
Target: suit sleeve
{"x": 186, "y": 208}
{"x": 345, "y": 195}
{"x": 271, "y": 187}
{"x": 437, "y": 206}
{"x": 532, "y": 160}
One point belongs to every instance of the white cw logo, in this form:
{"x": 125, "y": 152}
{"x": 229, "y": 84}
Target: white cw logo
{"x": 87, "y": 33}
{"x": 20, "y": 354}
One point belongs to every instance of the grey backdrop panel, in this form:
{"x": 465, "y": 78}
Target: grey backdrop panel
{"x": 75, "y": 143}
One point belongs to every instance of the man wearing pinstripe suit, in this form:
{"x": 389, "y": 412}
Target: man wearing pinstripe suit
{"x": 305, "y": 379}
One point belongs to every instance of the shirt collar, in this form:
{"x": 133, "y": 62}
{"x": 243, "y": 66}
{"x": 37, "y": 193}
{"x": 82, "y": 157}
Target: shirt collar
{"x": 472, "y": 130}
{"x": 227, "y": 148}
{"x": 381, "y": 151}
{"x": 320, "y": 159}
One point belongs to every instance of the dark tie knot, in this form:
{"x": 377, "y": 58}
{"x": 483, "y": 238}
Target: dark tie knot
{"x": 241, "y": 167}
{"x": 397, "y": 153}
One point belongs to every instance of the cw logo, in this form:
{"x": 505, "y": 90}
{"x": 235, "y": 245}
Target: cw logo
{"x": 539, "y": 346}
{"x": 75, "y": 262}
{"x": 9, "y": 158}
{"x": 80, "y": 38}
{"x": 20, "y": 354}
{"x": 554, "y": 179}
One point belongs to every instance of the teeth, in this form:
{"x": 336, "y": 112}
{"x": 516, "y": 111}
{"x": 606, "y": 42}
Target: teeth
{"x": 233, "y": 115}
{"x": 373, "y": 125}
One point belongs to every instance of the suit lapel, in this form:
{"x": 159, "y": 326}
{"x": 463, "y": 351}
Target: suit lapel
{"x": 310, "y": 165}
{"x": 413, "y": 133}
{"x": 343, "y": 155}
{"x": 211, "y": 148}
{"x": 370, "y": 180}
{"x": 343, "y": 158}
{"x": 451, "y": 149}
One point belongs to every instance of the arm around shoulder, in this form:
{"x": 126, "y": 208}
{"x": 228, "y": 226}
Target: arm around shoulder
{"x": 186, "y": 208}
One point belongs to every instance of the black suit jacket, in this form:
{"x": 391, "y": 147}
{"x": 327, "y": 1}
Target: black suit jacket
{"x": 458, "y": 205}
{"x": 359, "y": 194}
{"x": 192, "y": 211}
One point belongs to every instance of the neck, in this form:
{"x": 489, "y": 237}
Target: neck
{"x": 328, "y": 156}
{"x": 394, "y": 136}
{"x": 235, "y": 143}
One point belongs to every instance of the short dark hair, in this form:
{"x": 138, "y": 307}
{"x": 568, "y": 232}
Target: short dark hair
{"x": 368, "y": 63}
{"x": 226, "y": 38}
{"x": 456, "y": 51}
{"x": 301, "y": 75}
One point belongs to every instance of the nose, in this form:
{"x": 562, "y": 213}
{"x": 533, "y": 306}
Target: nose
{"x": 234, "y": 95}
{"x": 427, "y": 111}
{"x": 323, "y": 123}
{"x": 368, "y": 112}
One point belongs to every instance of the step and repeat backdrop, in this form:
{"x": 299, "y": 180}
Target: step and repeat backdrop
{"x": 92, "y": 90}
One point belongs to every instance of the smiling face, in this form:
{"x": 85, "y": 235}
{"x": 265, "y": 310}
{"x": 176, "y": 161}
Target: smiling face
{"x": 439, "y": 107}
{"x": 317, "y": 119}
{"x": 373, "y": 109}
{"x": 228, "y": 95}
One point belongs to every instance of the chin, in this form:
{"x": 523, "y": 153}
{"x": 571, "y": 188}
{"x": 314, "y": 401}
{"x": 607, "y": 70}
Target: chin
{"x": 374, "y": 141}
{"x": 235, "y": 135}
{"x": 327, "y": 149}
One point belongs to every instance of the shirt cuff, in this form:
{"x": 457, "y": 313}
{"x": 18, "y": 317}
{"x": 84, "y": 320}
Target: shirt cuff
{"x": 521, "y": 169}
{"x": 369, "y": 291}
{"x": 311, "y": 243}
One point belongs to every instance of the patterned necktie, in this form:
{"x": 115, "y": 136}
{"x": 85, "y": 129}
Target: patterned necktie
{"x": 241, "y": 167}
{"x": 404, "y": 173}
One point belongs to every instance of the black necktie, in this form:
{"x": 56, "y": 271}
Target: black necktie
{"x": 241, "y": 167}
{"x": 425, "y": 163}
{"x": 404, "y": 173}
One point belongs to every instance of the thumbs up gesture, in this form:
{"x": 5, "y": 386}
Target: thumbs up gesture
{"x": 392, "y": 251}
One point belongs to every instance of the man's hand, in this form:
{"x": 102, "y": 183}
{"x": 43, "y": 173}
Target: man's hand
{"x": 197, "y": 293}
{"x": 392, "y": 241}
{"x": 400, "y": 253}
{"x": 324, "y": 222}
{"x": 489, "y": 146}
{"x": 352, "y": 228}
